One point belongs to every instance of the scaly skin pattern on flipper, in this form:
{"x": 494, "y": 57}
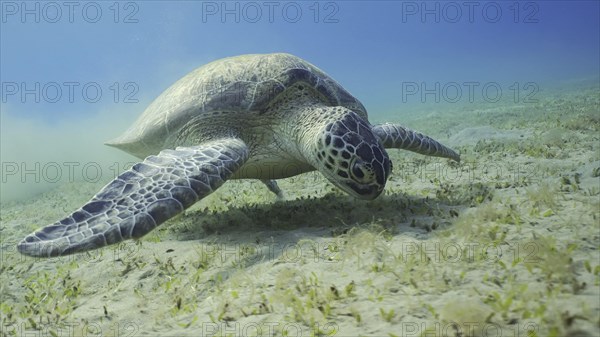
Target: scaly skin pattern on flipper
{"x": 141, "y": 198}
{"x": 399, "y": 137}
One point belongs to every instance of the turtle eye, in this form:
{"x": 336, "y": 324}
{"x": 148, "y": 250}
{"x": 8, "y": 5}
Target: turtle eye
{"x": 359, "y": 171}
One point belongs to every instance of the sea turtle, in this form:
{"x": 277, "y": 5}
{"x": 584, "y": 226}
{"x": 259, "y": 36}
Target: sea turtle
{"x": 262, "y": 116}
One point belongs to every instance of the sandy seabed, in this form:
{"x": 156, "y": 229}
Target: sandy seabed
{"x": 504, "y": 244}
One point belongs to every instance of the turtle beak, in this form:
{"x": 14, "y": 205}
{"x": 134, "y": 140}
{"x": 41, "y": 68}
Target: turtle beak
{"x": 365, "y": 192}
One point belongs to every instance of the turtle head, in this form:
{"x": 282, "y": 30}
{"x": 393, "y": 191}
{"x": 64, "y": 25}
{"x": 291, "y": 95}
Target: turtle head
{"x": 352, "y": 158}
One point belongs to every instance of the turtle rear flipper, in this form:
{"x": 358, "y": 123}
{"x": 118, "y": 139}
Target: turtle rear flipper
{"x": 141, "y": 198}
{"x": 273, "y": 187}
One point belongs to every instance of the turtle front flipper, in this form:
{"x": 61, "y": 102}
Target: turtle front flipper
{"x": 141, "y": 198}
{"x": 399, "y": 137}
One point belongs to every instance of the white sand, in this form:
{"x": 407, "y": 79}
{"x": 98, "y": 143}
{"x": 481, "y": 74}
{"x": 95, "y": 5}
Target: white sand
{"x": 506, "y": 242}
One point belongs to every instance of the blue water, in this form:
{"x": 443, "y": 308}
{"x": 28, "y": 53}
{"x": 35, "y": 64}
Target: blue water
{"x": 378, "y": 50}
{"x": 75, "y": 74}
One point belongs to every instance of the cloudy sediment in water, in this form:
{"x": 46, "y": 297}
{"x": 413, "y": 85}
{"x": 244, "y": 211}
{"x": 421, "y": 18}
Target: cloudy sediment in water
{"x": 506, "y": 240}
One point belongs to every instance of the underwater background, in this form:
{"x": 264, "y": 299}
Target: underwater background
{"x": 514, "y": 86}
{"x": 79, "y": 73}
